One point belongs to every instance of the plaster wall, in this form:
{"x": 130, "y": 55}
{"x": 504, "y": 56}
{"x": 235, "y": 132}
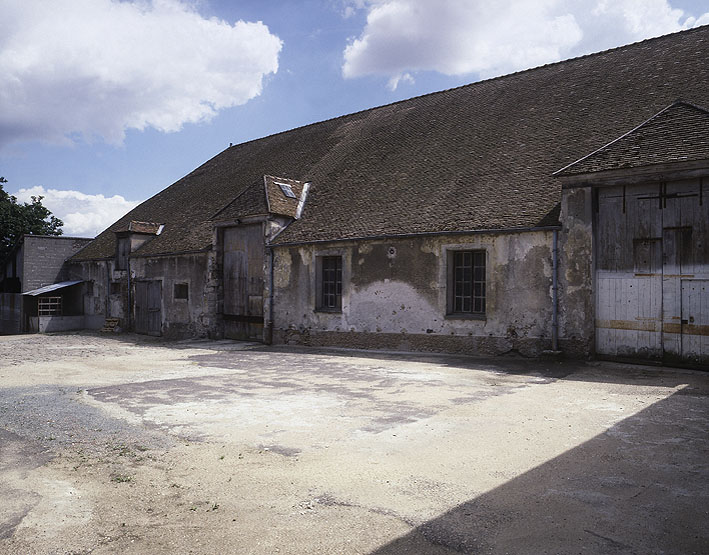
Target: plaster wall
{"x": 191, "y": 317}
{"x": 107, "y": 291}
{"x": 45, "y": 324}
{"x": 395, "y": 295}
{"x": 97, "y": 302}
{"x": 576, "y": 296}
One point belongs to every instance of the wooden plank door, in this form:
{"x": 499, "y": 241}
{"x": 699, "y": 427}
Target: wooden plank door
{"x": 148, "y": 307}
{"x": 685, "y": 271}
{"x": 243, "y": 282}
{"x": 629, "y": 272}
{"x": 695, "y": 321}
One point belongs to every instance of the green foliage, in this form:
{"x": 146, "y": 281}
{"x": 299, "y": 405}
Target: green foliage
{"x": 18, "y": 219}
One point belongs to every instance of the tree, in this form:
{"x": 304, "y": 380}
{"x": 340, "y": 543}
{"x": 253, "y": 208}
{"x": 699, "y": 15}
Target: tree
{"x": 18, "y": 219}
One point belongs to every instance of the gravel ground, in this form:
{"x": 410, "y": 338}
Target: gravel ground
{"x": 136, "y": 445}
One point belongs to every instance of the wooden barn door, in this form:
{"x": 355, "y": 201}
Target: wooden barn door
{"x": 685, "y": 293}
{"x": 243, "y": 282}
{"x": 629, "y": 273}
{"x": 652, "y": 272}
{"x": 148, "y": 307}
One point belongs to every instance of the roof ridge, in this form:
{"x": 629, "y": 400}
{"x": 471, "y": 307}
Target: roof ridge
{"x": 678, "y": 102}
{"x": 473, "y": 84}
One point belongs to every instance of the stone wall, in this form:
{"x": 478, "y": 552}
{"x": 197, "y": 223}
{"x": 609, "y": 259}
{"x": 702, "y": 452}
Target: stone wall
{"x": 576, "y": 313}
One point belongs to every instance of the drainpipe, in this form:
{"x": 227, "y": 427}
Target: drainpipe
{"x": 107, "y": 291}
{"x": 269, "y": 327}
{"x": 555, "y": 293}
{"x": 130, "y": 311}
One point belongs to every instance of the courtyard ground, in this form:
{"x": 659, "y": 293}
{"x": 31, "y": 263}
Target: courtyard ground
{"x": 128, "y": 444}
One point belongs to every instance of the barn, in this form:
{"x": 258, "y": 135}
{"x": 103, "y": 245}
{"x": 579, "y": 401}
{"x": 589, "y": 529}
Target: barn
{"x": 561, "y": 208}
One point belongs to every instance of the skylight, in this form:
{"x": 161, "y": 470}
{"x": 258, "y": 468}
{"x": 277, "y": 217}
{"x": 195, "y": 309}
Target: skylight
{"x": 286, "y": 188}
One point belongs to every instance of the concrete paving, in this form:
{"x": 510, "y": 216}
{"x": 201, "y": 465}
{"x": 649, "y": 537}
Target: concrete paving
{"x": 136, "y": 445}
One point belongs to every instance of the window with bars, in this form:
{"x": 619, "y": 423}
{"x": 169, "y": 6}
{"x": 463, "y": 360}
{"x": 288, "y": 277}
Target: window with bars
{"x": 330, "y": 283}
{"x": 49, "y": 306}
{"x": 466, "y": 283}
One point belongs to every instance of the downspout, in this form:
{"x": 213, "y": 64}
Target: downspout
{"x": 269, "y": 328}
{"x": 107, "y": 291}
{"x": 130, "y": 306}
{"x": 555, "y": 292}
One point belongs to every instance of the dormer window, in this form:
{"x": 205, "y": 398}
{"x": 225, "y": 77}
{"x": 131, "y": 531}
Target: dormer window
{"x": 286, "y": 188}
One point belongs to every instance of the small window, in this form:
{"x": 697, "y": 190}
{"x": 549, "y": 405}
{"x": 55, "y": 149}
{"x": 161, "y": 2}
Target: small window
{"x": 181, "y": 291}
{"x": 115, "y": 288}
{"x": 466, "y": 283}
{"x": 49, "y": 306}
{"x": 330, "y": 283}
{"x": 286, "y": 188}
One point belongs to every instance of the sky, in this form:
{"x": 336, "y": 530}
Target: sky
{"x": 104, "y": 103}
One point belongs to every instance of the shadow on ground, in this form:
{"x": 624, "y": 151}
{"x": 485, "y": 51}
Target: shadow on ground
{"x": 641, "y": 487}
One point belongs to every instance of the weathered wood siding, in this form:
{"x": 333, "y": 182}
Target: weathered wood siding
{"x": 148, "y": 307}
{"x": 243, "y": 282}
{"x": 652, "y": 267}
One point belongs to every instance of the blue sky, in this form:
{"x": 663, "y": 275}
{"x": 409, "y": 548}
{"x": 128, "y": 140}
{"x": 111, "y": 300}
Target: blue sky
{"x": 105, "y": 103}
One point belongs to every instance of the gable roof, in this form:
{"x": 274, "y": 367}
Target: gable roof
{"x": 478, "y": 157}
{"x": 679, "y": 133}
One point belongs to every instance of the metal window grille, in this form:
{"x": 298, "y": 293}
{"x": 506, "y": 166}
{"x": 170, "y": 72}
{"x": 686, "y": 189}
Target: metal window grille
{"x": 331, "y": 282}
{"x": 469, "y": 282}
{"x": 49, "y": 306}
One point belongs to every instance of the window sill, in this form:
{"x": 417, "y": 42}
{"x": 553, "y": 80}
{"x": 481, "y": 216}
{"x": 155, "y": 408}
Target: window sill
{"x": 465, "y": 316}
{"x": 329, "y": 310}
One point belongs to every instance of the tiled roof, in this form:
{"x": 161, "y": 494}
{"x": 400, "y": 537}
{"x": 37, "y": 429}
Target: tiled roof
{"x": 250, "y": 202}
{"x": 679, "y": 133}
{"x": 476, "y": 157}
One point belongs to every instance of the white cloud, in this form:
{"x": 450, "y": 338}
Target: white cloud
{"x": 458, "y": 37}
{"x": 94, "y": 68}
{"x": 401, "y": 78}
{"x": 83, "y": 215}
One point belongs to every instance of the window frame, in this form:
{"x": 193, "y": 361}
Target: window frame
{"x": 50, "y": 306}
{"x": 180, "y": 284}
{"x": 330, "y": 263}
{"x": 466, "y": 293}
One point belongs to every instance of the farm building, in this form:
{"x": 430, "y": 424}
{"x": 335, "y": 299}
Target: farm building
{"x": 35, "y": 293}
{"x": 560, "y": 208}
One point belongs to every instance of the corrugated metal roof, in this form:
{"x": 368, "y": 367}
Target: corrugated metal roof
{"x": 53, "y": 287}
